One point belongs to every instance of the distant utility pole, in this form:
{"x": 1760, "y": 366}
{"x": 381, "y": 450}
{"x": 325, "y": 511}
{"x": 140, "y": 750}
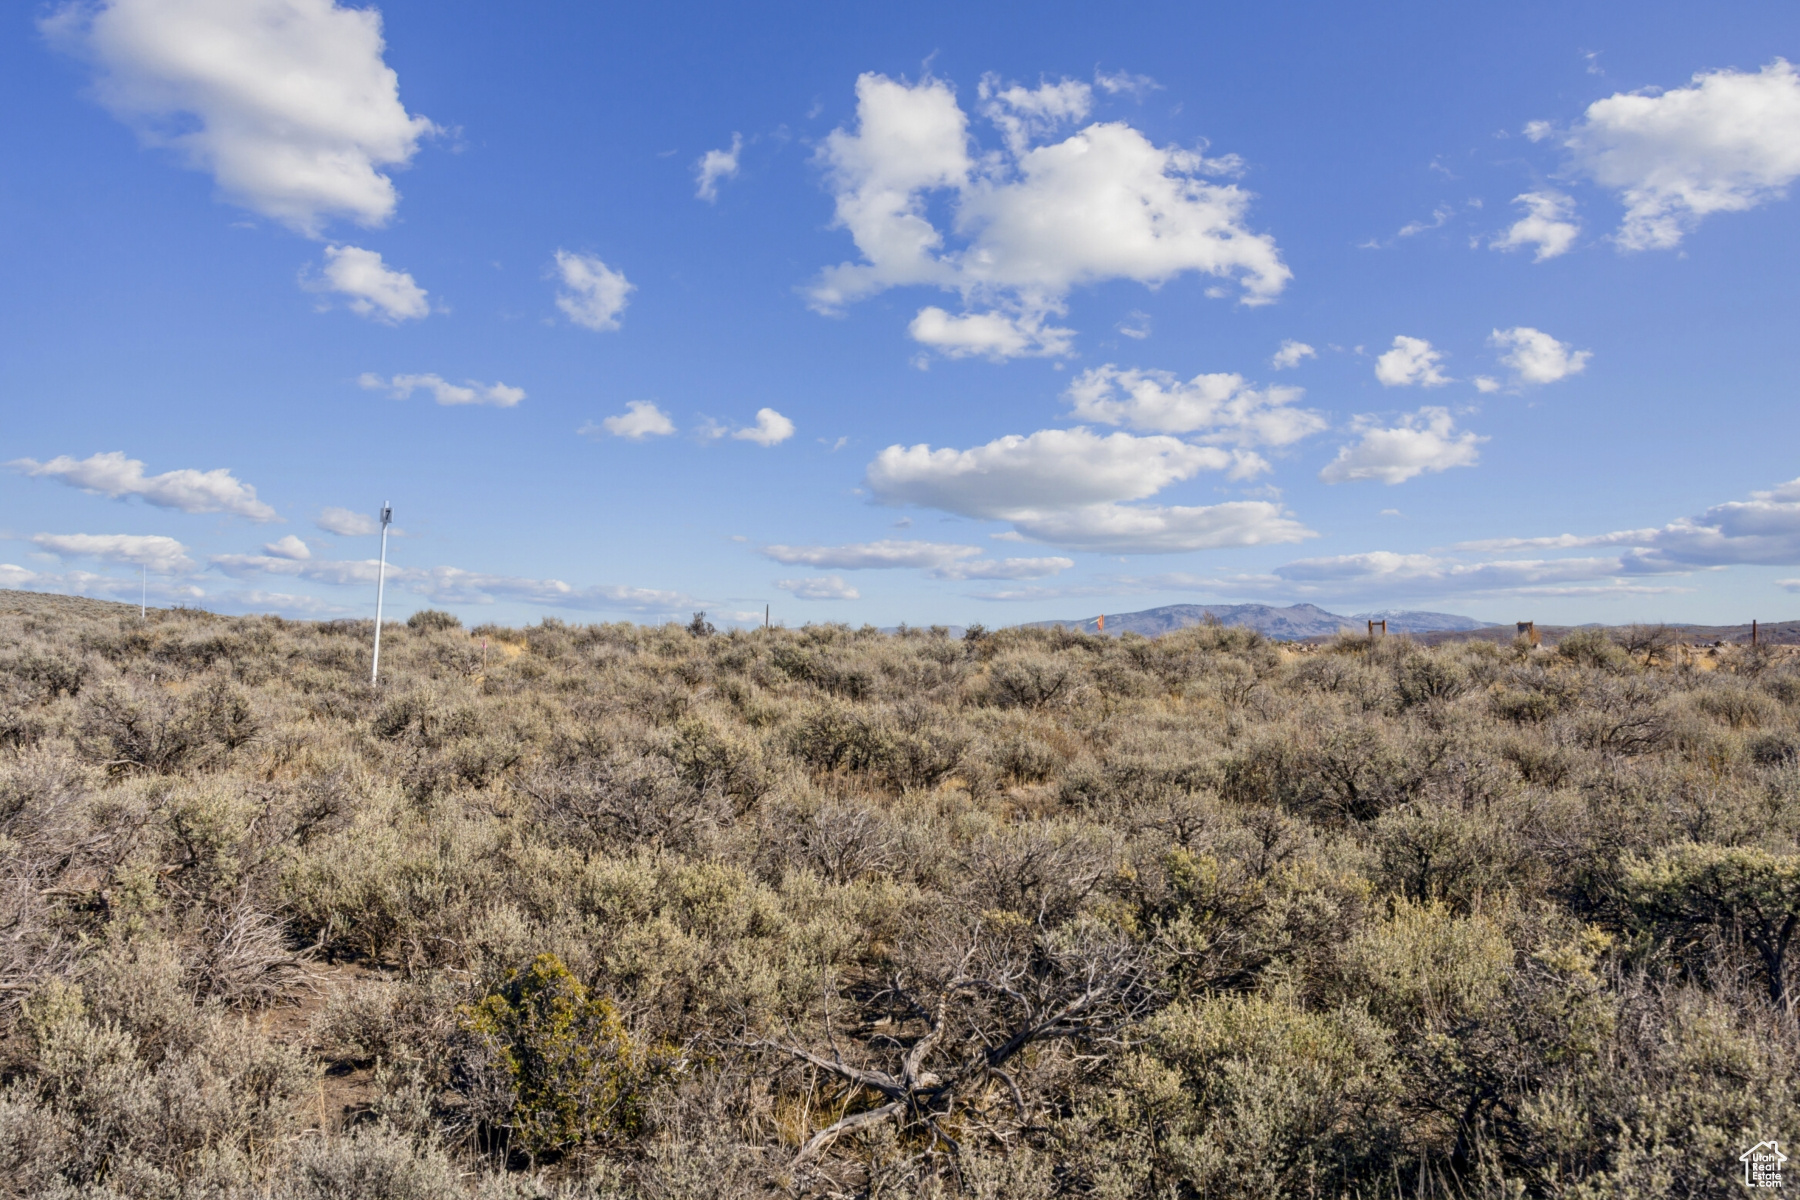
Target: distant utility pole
{"x": 143, "y": 592}
{"x": 387, "y": 515}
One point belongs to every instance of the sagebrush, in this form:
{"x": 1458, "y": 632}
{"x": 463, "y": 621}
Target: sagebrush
{"x": 626, "y": 911}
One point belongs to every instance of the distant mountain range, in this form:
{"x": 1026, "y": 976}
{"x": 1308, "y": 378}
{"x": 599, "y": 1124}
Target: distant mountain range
{"x": 1284, "y": 624}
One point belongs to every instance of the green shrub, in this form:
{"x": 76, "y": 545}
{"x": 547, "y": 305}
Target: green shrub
{"x": 1252, "y": 1095}
{"x": 1684, "y": 892}
{"x": 562, "y": 1057}
{"x": 431, "y": 620}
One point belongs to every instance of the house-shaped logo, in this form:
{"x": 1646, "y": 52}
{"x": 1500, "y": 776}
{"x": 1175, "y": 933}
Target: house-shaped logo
{"x": 1762, "y": 1165}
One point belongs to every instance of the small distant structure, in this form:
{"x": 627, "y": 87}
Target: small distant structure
{"x": 1382, "y": 623}
{"x": 1753, "y": 633}
{"x": 1528, "y": 631}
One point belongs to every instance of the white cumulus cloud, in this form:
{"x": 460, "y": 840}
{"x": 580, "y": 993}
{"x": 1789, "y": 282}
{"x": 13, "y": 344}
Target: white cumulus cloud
{"x": 346, "y": 523}
{"x": 443, "y": 391}
{"x": 593, "y": 293}
{"x": 993, "y": 335}
{"x": 1061, "y": 468}
{"x": 1412, "y": 362}
{"x": 641, "y": 419}
{"x": 1424, "y": 441}
{"x": 1727, "y": 143}
{"x": 1069, "y": 487}
{"x": 1291, "y": 354}
{"x": 287, "y": 103}
{"x": 1536, "y": 356}
{"x": 715, "y": 165}
{"x": 1031, "y": 221}
{"x": 828, "y": 587}
{"x": 112, "y": 474}
{"x": 1547, "y": 225}
{"x": 164, "y": 555}
{"x": 1159, "y": 529}
{"x": 770, "y": 428}
{"x": 373, "y": 288}
{"x": 1221, "y": 408}
{"x": 288, "y": 547}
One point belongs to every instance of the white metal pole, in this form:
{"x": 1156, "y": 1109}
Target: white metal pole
{"x": 143, "y": 592}
{"x": 387, "y": 514}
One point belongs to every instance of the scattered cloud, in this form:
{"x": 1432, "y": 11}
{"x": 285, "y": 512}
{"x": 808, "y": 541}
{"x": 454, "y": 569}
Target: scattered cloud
{"x": 771, "y": 428}
{"x": 1485, "y": 383}
{"x": 287, "y": 103}
{"x": 1763, "y": 530}
{"x": 828, "y": 587}
{"x": 1005, "y": 568}
{"x": 288, "y": 547}
{"x": 941, "y": 560}
{"x": 400, "y": 387}
{"x": 641, "y": 419}
{"x": 1126, "y": 84}
{"x": 1412, "y": 362}
{"x": 374, "y": 289}
{"x": 715, "y": 165}
{"x": 1536, "y": 356}
{"x": 1728, "y": 143}
{"x": 337, "y": 572}
{"x": 1547, "y": 224}
{"x": 992, "y": 335}
{"x": 258, "y": 600}
{"x": 1385, "y": 573}
{"x": 345, "y": 523}
{"x": 1110, "y": 589}
{"x": 1439, "y": 215}
{"x": 190, "y": 491}
{"x": 1424, "y": 441}
{"x": 164, "y": 555}
{"x": 1291, "y": 354}
{"x": 87, "y": 583}
{"x": 1136, "y": 325}
{"x": 1067, "y": 487}
{"x": 1220, "y": 408}
{"x": 454, "y": 585}
{"x": 594, "y": 294}
{"x": 887, "y": 553}
{"x": 1033, "y": 220}
{"x": 1152, "y": 529}
{"x": 1052, "y": 468}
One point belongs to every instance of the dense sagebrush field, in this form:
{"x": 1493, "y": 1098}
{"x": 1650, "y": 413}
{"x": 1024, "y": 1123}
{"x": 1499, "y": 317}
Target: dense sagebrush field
{"x": 618, "y": 911}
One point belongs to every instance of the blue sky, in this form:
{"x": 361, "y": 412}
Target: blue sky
{"x": 932, "y": 314}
